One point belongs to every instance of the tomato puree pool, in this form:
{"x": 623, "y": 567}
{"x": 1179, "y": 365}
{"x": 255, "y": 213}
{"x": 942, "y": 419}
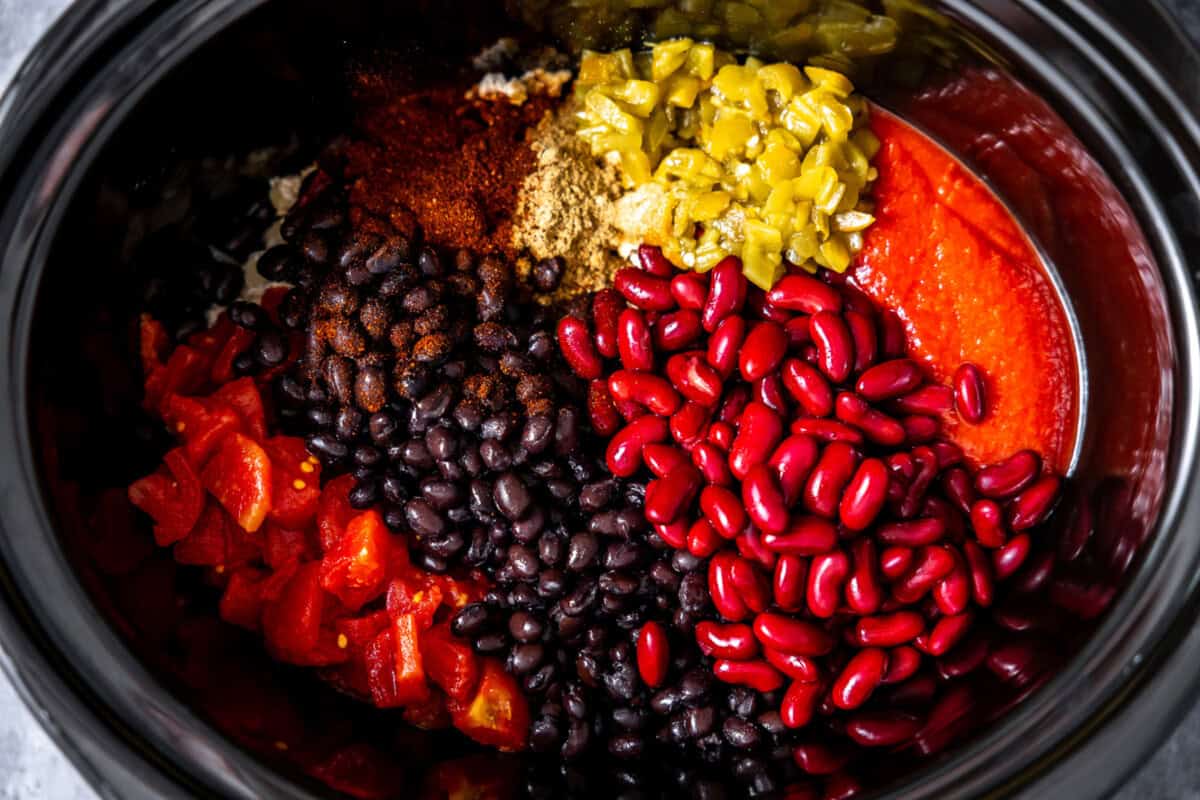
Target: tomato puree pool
{"x": 957, "y": 268}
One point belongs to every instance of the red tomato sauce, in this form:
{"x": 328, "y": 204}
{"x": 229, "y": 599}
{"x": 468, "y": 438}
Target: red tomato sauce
{"x": 949, "y": 258}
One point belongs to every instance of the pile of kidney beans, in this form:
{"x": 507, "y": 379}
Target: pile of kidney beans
{"x": 851, "y": 554}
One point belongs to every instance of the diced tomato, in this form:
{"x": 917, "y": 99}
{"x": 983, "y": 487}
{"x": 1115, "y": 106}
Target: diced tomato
{"x": 172, "y": 497}
{"x": 477, "y": 777}
{"x": 350, "y": 677}
{"x": 244, "y": 397}
{"x": 276, "y": 582}
{"x": 361, "y": 630}
{"x": 286, "y": 544}
{"x": 450, "y": 662}
{"x": 210, "y": 340}
{"x": 416, "y": 597}
{"x": 356, "y": 570}
{"x": 200, "y": 424}
{"x": 394, "y": 668}
{"x": 295, "y": 481}
{"x": 185, "y": 372}
{"x": 460, "y": 592}
{"x": 153, "y": 343}
{"x": 327, "y": 651}
{"x": 498, "y": 714}
{"x": 242, "y": 602}
{"x": 239, "y": 476}
{"x": 360, "y": 770}
{"x": 207, "y": 544}
{"x": 272, "y": 298}
{"x": 292, "y": 624}
{"x": 238, "y": 342}
{"x": 334, "y": 511}
{"x": 430, "y": 715}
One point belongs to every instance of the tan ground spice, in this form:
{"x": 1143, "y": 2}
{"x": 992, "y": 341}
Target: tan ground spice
{"x": 565, "y": 207}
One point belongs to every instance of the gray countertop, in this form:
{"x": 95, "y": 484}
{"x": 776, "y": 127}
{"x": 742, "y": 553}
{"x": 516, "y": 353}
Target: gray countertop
{"x": 32, "y": 768}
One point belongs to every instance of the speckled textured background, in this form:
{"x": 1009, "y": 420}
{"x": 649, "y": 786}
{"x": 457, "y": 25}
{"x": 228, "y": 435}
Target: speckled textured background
{"x": 32, "y": 768}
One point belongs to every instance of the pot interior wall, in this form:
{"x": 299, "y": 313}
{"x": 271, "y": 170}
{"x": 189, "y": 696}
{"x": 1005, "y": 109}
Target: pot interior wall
{"x": 273, "y": 82}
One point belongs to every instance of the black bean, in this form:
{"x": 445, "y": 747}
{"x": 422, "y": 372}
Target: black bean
{"x": 551, "y": 584}
{"x": 494, "y": 455}
{"x": 441, "y": 494}
{"x": 248, "y": 315}
{"x": 621, "y": 681}
{"x": 588, "y": 669}
{"x": 622, "y": 555}
{"x": 551, "y": 549}
{"x": 699, "y": 721}
{"x": 525, "y": 627}
{"x": 511, "y": 496}
{"x": 665, "y": 701}
{"x": 523, "y": 561}
{"x": 325, "y": 446}
{"x": 544, "y": 734}
{"x": 578, "y": 738}
{"x": 276, "y": 264}
{"x": 416, "y": 454}
{"x": 365, "y": 494}
{"x": 740, "y": 733}
{"x": 423, "y": 519}
{"x": 595, "y": 496}
{"x": 582, "y": 551}
{"x": 615, "y": 582}
{"x": 441, "y": 442}
{"x": 693, "y": 593}
{"x": 348, "y": 423}
{"x": 471, "y": 620}
{"x": 490, "y": 643}
{"x": 540, "y": 680}
{"x": 626, "y": 745}
{"x": 547, "y": 273}
{"x": 695, "y": 686}
{"x": 525, "y": 658}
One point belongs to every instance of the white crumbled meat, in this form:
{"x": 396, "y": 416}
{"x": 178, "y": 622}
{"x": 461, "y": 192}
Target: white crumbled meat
{"x": 495, "y": 85}
{"x": 284, "y": 192}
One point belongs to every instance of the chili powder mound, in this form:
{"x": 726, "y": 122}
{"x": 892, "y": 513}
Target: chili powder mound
{"x": 453, "y": 163}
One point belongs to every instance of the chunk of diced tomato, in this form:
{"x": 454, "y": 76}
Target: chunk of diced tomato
{"x": 172, "y": 497}
{"x": 451, "y": 663}
{"x": 415, "y": 596}
{"x": 295, "y": 481}
{"x": 207, "y": 543}
{"x": 292, "y": 623}
{"x": 239, "y": 476}
{"x": 395, "y": 671}
{"x": 244, "y": 397}
{"x": 238, "y": 342}
{"x": 334, "y": 511}
{"x": 431, "y": 715}
{"x": 186, "y": 372}
{"x": 498, "y": 714}
{"x": 361, "y": 630}
{"x": 153, "y": 343}
{"x": 242, "y": 601}
{"x": 282, "y": 545}
{"x": 361, "y": 771}
{"x": 201, "y": 424}
{"x": 356, "y": 570}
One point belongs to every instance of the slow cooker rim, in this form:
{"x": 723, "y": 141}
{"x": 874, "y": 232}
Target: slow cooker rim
{"x": 24, "y": 95}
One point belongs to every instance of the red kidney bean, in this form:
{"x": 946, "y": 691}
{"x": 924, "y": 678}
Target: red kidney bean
{"x": 634, "y": 342}
{"x": 721, "y": 435}
{"x": 932, "y": 564}
{"x": 1009, "y": 477}
{"x": 764, "y": 499}
{"x": 948, "y": 453}
{"x": 763, "y": 351}
{"x": 624, "y": 453}
{"x": 674, "y": 533}
{"x": 604, "y": 415}
{"x": 759, "y": 433}
{"x": 733, "y": 404}
{"x": 802, "y": 293}
{"x": 710, "y": 460}
{"x": 980, "y": 567}
{"x": 932, "y": 399}
{"x": 920, "y": 429}
{"x": 799, "y": 703}
{"x": 645, "y": 389}
{"x": 859, "y": 678}
{"x": 703, "y": 540}
{"x": 727, "y": 290}
{"x": 643, "y": 290}
{"x": 653, "y": 654}
{"x": 677, "y": 330}
{"x": 827, "y": 575}
{"x": 725, "y": 596}
{"x": 964, "y": 659}
{"x": 628, "y": 409}
{"x": 724, "y": 510}
{"x": 724, "y": 344}
{"x": 889, "y": 379}
{"x": 862, "y": 332}
{"x": 575, "y": 342}
{"x": 819, "y": 759}
{"x": 935, "y": 507}
{"x": 953, "y": 592}
{"x": 828, "y": 479}
{"x": 750, "y": 545}
{"x": 1009, "y": 558}
{"x": 895, "y": 561}
{"x": 903, "y": 663}
{"x": 918, "y": 691}
{"x": 1085, "y": 600}
{"x": 607, "y": 305}
{"x": 1078, "y": 530}
{"x": 689, "y": 424}
{"x": 757, "y": 307}
{"x": 689, "y": 290}
{"x": 695, "y": 379}
{"x": 987, "y": 520}
{"x": 947, "y": 722}
{"x": 1035, "y": 574}
{"x": 903, "y": 466}
{"x": 875, "y": 425}
{"x": 758, "y": 675}
{"x": 835, "y": 348}
{"x": 927, "y": 470}
{"x": 751, "y": 585}
{"x": 808, "y": 386}
{"x": 969, "y": 394}
{"x": 734, "y": 641}
{"x": 672, "y": 494}
{"x": 652, "y": 260}
{"x": 793, "y": 461}
{"x": 891, "y": 335}
{"x": 798, "y": 668}
{"x": 889, "y": 630}
{"x": 1033, "y": 505}
{"x": 912, "y": 533}
{"x": 768, "y": 390}
{"x": 827, "y": 430}
{"x": 882, "y": 728}
{"x": 945, "y": 634}
{"x": 790, "y": 582}
{"x": 805, "y": 536}
{"x": 661, "y": 459}
{"x": 864, "y": 495}
{"x": 790, "y": 635}
{"x": 796, "y": 329}
{"x": 864, "y": 595}
{"x": 959, "y": 488}
{"x": 1017, "y": 661}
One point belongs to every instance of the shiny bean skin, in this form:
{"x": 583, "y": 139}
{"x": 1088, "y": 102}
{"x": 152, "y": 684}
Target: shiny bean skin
{"x": 793, "y": 461}
{"x": 762, "y": 351}
{"x": 624, "y": 454}
{"x": 835, "y": 348}
{"x": 805, "y": 294}
{"x": 790, "y": 582}
{"x": 727, "y": 291}
{"x": 808, "y": 387}
{"x": 823, "y": 491}
{"x": 634, "y": 343}
{"x": 759, "y": 434}
{"x": 734, "y": 641}
{"x": 827, "y": 575}
{"x": 725, "y": 344}
{"x": 859, "y": 678}
{"x": 864, "y": 495}
{"x": 575, "y": 343}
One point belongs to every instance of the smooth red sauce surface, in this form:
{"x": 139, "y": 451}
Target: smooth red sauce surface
{"x": 957, "y": 268}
